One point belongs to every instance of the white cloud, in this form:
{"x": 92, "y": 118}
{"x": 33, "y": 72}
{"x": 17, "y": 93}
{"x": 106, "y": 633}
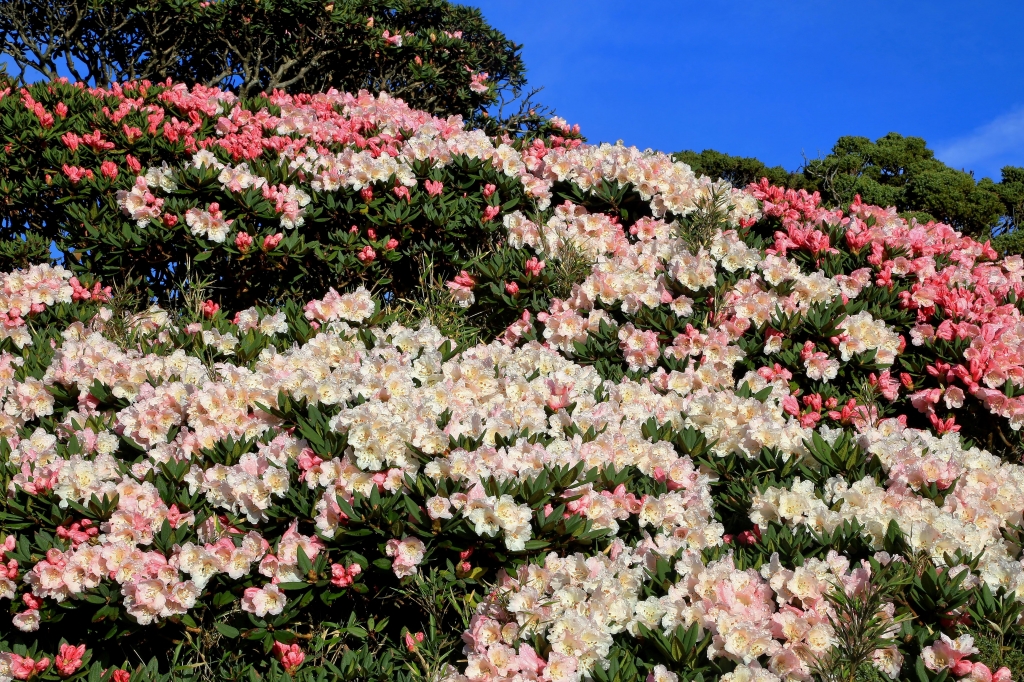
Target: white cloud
{"x": 997, "y": 143}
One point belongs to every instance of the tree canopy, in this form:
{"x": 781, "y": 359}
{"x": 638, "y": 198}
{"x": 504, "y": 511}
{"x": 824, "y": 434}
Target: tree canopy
{"x": 738, "y": 170}
{"x": 891, "y": 171}
{"x": 437, "y": 56}
{"x": 903, "y": 172}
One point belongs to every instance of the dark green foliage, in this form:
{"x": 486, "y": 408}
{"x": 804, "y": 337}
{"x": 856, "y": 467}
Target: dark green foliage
{"x": 902, "y": 172}
{"x": 291, "y": 45}
{"x": 860, "y": 627}
{"x": 1010, "y": 238}
{"x": 740, "y": 170}
{"x": 891, "y": 171}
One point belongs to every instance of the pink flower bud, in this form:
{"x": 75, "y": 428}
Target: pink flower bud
{"x": 962, "y": 667}
{"x": 108, "y": 169}
{"x": 489, "y": 213}
{"x": 342, "y": 576}
{"x": 242, "y": 242}
{"x": 71, "y": 140}
{"x": 412, "y": 640}
{"x": 980, "y": 673}
{"x": 290, "y": 655}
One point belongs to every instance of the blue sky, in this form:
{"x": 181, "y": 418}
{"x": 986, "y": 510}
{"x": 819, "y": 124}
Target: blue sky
{"x": 780, "y": 79}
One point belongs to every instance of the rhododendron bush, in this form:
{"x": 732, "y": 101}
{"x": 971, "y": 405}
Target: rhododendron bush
{"x": 274, "y": 197}
{"x": 702, "y": 432}
{"x": 438, "y": 56}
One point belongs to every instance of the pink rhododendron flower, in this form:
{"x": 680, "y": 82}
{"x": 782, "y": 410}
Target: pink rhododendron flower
{"x": 263, "y": 601}
{"x": 69, "y": 659}
{"x": 478, "y": 82}
{"x": 533, "y": 266}
{"x": 27, "y": 620}
{"x": 947, "y": 653}
{"x": 342, "y": 576}
{"x": 108, "y": 169}
{"x": 412, "y": 640}
{"x": 462, "y": 288}
{"x": 22, "y": 667}
{"x": 406, "y": 554}
{"x": 271, "y": 241}
{"x": 95, "y": 141}
{"x": 1002, "y": 675}
{"x": 76, "y": 174}
{"x": 243, "y": 242}
{"x": 71, "y": 140}
{"x": 490, "y": 213}
{"x": 291, "y": 656}
{"x": 97, "y": 293}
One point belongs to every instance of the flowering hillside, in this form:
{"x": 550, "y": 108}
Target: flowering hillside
{"x": 402, "y": 401}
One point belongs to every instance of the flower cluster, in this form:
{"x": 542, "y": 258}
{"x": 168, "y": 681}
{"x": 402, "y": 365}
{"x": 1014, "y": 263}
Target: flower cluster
{"x": 222, "y": 173}
{"x": 700, "y": 421}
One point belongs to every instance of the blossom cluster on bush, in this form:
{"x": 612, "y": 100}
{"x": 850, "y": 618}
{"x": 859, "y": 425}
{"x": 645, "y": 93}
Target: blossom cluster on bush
{"x": 701, "y": 414}
{"x": 388, "y": 396}
{"x": 224, "y": 182}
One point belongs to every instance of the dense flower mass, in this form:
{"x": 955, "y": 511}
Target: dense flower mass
{"x": 300, "y": 191}
{"x": 705, "y": 430}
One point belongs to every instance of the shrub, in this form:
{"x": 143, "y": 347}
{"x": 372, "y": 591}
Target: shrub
{"x": 147, "y": 182}
{"x": 708, "y": 432}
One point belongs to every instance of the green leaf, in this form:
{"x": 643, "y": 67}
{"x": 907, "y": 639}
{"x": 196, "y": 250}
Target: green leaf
{"x": 226, "y": 630}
